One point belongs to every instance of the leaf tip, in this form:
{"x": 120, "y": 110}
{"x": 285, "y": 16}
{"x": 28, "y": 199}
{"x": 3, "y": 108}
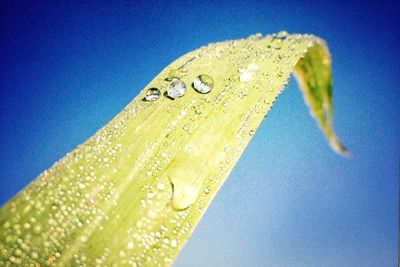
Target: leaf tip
{"x": 338, "y": 147}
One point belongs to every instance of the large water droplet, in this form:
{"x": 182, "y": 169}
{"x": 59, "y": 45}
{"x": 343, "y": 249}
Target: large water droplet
{"x": 184, "y": 197}
{"x": 176, "y": 88}
{"x": 152, "y": 94}
{"x": 203, "y": 84}
{"x": 246, "y": 76}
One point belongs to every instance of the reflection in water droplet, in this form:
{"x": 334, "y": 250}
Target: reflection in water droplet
{"x": 153, "y": 94}
{"x": 176, "y": 88}
{"x": 203, "y": 84}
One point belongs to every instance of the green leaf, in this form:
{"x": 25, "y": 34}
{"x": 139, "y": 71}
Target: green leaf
{"x": 133, "y": 193}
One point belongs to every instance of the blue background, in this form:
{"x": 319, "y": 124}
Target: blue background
{"x": 68, "y": 67}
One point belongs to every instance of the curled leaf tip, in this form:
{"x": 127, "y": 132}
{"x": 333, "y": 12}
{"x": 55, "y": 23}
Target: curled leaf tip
{"x": 313, "y": 73}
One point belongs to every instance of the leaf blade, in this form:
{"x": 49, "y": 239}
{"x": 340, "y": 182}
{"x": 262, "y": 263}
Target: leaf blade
{"x": 134, "y": 192}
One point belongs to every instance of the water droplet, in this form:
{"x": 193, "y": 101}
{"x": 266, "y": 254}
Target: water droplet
{"x": 256, "y": 36}
{"x": 207, "y": 190}
{"x": 184, "y": 197}
{"x": 151, "y": 194}
{"x": 252, "y": 67}
{"x": 174, "y": 243}
{"x": 203, "y": 84}
{"x": 176, "y": 88}
{"x": 7, "y": 224}
{"x": 152, "y": 94}
{"x": 174, "y": 73}
{"x": 34, "y": 255}
{"x": 18, "y": 252}
{"x": 160, "y": 186}
{"x": 243, "y": 94}
{"x": 276, "y": 42}
{"x": 246, "y": 76}
{"x": 282, "y": 35}
{"x": 83, "y": 238}
{"x": 130, "y": 245}
{"x": 139, "y": 224}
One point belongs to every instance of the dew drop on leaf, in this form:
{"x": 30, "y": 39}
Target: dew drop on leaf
{"x": 203, "y": 84}
{"x": 176, "y": 88}
{"x": 152, "y": 94}
{"x": 246, "y": 76}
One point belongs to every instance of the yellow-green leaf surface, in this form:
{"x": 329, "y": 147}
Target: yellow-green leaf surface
{"x": 133, "y": 193}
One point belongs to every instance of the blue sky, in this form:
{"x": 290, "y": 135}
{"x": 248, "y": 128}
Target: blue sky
{"x": 68, "y": 67}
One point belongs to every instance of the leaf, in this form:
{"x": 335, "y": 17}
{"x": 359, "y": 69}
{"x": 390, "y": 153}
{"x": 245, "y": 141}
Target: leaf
{"x": 133, "y": 193}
